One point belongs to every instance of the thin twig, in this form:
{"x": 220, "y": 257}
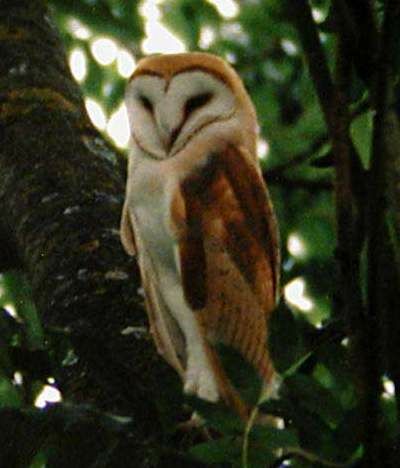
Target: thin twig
{"x": 295, "y": 452}
{"x": 316, "y": 146}
{"x": 104, "y": 22}
{"x": 300, "y": 158}
{"x": 245, "y": 446}
{"x": 298, "y": 184}
{"x": 301, "y": 15}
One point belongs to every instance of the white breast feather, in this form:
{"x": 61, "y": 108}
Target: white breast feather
{"x": 151, "y": 211}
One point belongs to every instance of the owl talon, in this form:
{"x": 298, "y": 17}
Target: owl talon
{"x": 201, "y": 383}
{"x": 190, "y": 386}
{"x": 207, "y": 392}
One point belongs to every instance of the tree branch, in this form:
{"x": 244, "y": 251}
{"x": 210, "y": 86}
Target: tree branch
{"x": 349, "y": 186}
{"x": 354, "y": 19}
{"x": 348, "y": 168}
{"x": 377, "y": 208}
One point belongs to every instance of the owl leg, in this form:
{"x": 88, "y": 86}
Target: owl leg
{"x": 198, "y": 378}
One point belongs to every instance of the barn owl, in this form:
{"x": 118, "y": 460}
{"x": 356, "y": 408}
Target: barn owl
{"x": 198, "y": 216}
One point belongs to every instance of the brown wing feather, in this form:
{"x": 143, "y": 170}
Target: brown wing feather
{"x": 192, "y": 255}
{"x": 230, "y": 191}
{"x": 252, "y": 196}
{"x": 191, "y": 246}
{"x": 236, "y": 240}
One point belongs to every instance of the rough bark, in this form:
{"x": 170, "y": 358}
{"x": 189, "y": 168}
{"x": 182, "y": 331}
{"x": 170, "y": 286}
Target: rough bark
{"x": 61, "y": 194}
{"x": 381, "y": 271}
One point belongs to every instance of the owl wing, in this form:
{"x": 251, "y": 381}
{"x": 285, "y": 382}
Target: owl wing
{"x": 163, "y": 327}
{"x": 227, "y": 201}
{"x": 127, "y": 233}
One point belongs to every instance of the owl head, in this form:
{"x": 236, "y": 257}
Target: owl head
{"x": 175, "y": 100}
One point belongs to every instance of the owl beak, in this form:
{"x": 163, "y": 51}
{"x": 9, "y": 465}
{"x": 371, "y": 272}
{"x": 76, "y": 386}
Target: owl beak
{"x": 173, "y": 136}
{"x": 168, "y": 134}
{"x": 169, "y": 138}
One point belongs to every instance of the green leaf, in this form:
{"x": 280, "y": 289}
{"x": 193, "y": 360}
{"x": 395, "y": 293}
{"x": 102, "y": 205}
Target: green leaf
{"x": 277, "y": 407}
{"x": 241, "y": 373}
{"x": 217, "y": 415}
{"x": 336, "y": 359}
{"x": 318, "y": 236}
{"x": 219, "y": 451}
{"x": 20, "y": 293}
{"x": 116, "y": 94}
{"x": 348, "y": 434}
{"x": 311, "y": 395}
{"x": 39, "y": 461}
{"x": 361, "y": 133}
{"x": 9, "y": 394}
{"x": 9, "y": 328}
{"x": 284, "y": 338}
{"x": 95, "y": 78}
{"x": 186, "y": 18}
{"x": 259, "y": 457}
{"x": 314, "y": 434}
{"x": 272, "y": 438}
{"x": 265, "y": 442}
{"x": 98, "y": 17}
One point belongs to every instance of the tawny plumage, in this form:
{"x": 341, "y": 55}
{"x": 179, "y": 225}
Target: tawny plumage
{"x": 198, "y": 216}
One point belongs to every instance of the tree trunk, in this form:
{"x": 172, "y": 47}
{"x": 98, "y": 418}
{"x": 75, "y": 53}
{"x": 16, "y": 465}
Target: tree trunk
{"x": 61, "y": 195}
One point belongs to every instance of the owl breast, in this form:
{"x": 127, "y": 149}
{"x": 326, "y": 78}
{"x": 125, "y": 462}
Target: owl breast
{"x": 149, "y": 201}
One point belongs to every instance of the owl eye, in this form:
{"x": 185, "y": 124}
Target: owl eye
{"x": 146, "y": 103}
{"x": 196, "y": 102}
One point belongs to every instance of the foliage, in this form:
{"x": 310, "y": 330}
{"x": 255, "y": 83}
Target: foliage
{"x": 318, "y": 339}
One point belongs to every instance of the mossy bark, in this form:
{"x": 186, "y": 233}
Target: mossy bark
{"x": 61, "y": 193}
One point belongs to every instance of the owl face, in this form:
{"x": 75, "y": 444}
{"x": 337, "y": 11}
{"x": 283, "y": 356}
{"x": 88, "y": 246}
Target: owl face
{"x": 171, "y": 102}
